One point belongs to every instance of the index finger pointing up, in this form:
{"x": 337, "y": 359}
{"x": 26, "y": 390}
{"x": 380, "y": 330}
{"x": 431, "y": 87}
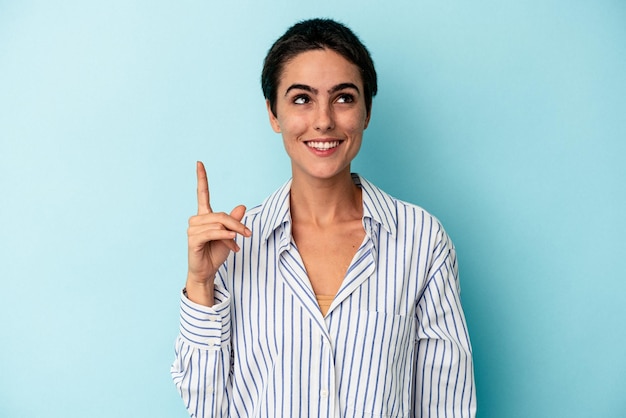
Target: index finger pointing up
{"x": 204, "y": 206}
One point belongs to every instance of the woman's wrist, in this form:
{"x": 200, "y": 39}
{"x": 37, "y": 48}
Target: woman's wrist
{"x": 201, "y": 293}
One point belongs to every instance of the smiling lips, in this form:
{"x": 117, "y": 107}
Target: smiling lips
{"x": 323, "y": 145}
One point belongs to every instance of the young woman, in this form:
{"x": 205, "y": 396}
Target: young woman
{"x": 330, "y": 299}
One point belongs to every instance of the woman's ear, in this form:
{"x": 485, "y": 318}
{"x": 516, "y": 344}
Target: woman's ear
{"x": 273, "y": 119}
{"x": 367, "y": 119}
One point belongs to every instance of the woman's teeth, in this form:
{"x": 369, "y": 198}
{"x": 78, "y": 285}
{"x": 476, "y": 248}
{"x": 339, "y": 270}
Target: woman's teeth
{"x": 322, "y": 146}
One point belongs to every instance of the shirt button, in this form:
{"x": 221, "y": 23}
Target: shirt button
{"x": 324, "y": 393}
{"x": 209, "y": 390}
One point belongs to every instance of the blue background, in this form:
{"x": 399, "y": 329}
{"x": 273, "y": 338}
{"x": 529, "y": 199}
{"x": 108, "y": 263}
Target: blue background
{"x": 505, "y": 119}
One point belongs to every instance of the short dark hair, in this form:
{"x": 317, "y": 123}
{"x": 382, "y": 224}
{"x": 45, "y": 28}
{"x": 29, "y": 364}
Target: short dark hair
{"x": 317, "y": 34}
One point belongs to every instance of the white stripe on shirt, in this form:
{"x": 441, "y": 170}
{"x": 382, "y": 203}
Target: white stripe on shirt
{"x": 393, "y": 343}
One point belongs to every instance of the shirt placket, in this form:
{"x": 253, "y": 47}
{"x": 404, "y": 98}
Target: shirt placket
{"x": 328, "y": 399}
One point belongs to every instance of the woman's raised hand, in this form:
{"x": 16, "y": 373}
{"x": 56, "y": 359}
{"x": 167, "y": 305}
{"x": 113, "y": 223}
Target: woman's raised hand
{"x": 210, "y": 239}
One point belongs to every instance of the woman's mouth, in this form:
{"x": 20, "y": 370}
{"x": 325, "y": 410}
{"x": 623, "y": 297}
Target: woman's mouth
{"x": 322, "y": 145}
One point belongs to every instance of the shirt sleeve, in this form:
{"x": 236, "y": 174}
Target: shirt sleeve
{"x": 202, "y": 364}
{"x": 444, "y": 373}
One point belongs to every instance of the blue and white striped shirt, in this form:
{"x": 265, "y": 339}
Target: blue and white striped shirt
{"x": 394, "y": 342}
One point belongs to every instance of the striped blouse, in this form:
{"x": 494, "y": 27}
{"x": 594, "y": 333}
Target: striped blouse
{"x": 394, "y": 342}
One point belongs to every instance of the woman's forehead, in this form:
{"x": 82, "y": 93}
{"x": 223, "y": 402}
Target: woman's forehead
{"x": 319, "y": 68}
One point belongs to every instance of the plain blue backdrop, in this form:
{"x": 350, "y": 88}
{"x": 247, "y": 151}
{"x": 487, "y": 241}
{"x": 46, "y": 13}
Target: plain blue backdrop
{"x": 506, "y": 119}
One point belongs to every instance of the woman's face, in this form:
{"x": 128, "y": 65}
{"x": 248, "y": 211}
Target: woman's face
{"x": 321, "y": 113}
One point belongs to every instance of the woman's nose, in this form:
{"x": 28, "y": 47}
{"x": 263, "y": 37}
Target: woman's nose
{"x": 324, "y": 120}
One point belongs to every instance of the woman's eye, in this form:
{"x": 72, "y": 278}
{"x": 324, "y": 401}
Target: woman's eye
{"x": 302, "y": 99}
{"x": 345, "y": 98}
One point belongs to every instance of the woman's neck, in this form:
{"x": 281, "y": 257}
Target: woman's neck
{"x": 325, "y": 202}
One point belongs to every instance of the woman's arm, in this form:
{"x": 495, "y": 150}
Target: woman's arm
{"x": 444, "y": 375}
{"x": 202, "y": 364}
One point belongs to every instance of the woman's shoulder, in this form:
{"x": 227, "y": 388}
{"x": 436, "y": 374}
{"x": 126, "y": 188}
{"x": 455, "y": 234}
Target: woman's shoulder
{"x": 401, "y": 218}
{"x": 385, "y": 205}
{"x": 271, "y": 213}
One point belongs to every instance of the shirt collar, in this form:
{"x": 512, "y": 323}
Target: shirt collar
{"x": 377, "y": 206}
{"x": 275, "y": 210}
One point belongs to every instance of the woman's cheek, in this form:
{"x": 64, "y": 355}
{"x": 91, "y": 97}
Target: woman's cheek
{"x": 296, "y": 126}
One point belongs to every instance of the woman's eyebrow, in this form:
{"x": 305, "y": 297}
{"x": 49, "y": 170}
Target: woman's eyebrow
{"x": 334, "y": 89}
{"x": 343, "y": 86}
{"x": 301, "y": 87}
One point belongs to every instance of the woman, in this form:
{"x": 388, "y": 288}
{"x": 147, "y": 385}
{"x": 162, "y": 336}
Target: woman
{"x": 331, "y": 299}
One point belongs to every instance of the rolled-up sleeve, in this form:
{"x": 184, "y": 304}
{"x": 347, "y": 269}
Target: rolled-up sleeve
{"x": 202, "y": 363}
